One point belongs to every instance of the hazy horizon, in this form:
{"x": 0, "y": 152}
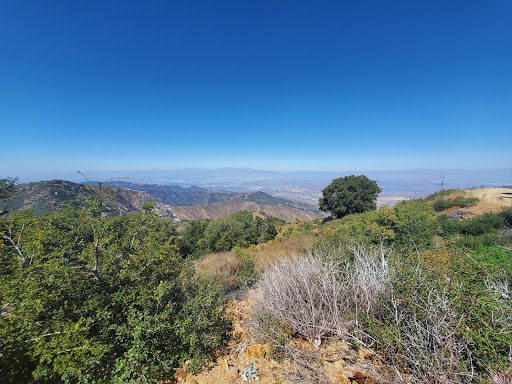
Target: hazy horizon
{"x": 246, "y": 176}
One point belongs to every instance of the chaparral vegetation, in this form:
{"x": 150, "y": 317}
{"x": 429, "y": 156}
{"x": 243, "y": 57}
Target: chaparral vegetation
{"x": 86, "y": 298}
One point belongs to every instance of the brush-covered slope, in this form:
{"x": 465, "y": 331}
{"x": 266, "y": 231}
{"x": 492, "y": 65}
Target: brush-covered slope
{"x": 178, "y": 195}
{"x": 255, "y": 202}
{"x": 47, "y": 196}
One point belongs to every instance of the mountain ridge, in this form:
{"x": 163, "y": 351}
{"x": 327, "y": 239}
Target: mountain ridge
{"x": 48, "y": 196}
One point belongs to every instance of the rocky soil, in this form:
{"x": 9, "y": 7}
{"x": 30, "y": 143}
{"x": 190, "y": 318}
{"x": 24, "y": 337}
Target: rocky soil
{"x": 246, "y": 359}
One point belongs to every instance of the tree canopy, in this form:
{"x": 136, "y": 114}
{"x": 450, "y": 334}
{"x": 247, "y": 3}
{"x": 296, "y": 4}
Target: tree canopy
{"x": 349, "y": 194}
{"x": 224, "y": 233}
{"x": 92, "y": 299}
{"x": 7, "y": 188}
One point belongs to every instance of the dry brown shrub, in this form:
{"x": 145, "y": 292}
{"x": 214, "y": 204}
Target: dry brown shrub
{"x": 223, "y": 265}
{"x": 318, "y": 295}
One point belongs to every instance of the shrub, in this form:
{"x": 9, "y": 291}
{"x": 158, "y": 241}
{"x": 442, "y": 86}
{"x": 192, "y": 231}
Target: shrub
{"x": 505, "y": 237}
{"x": 457, "y": 201}
{"x": 417, "y": 331}
{"x": 441, "y": 205}
{"x": 476, "y": 243}
{"x": 224, "y": 233}
{"x": 448, "y": 317}
{"x": 469, "y": 202}
{"x": 486, "y": 223}
{"x": 507, "y": 216}
{"x": 480, "y": 225}
{"x": 290, "y": 291}
{"x": 94, "y": 299}
{"x": 450, "y": 226}
{"x": 317, "y": 295}
{"x": 414, "y": 224}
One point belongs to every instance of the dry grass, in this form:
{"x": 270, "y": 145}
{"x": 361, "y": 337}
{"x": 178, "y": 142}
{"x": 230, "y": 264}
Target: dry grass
{"x": 297, "y": 243}
{"x": 500, "y": 197}
{"x": 215, "y": 262}
{"x": 223, "y": 265}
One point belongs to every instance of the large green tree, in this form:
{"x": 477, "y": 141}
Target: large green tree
{"x": 349, "y": 194}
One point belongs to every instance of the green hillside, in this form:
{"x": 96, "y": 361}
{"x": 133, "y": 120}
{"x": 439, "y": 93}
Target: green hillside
{"x": 87, "y": 298}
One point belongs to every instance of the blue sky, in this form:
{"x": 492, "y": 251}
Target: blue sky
{"x": 279, "y": 85}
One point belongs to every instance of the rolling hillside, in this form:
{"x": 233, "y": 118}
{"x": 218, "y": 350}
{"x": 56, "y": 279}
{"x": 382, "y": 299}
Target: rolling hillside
{"x": 47, "y": 196}
{"x": 194, "y": 203}
{"x": 255, "y": 202}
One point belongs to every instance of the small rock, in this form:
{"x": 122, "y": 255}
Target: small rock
{"x": 240, "y": 332}
{"x": 366, "y": 354}
{"x": 232, "y": 376}
{"x": 303, "y": 345}
{"x": 256, "y": 351}
{"x": 340, "y": 378}
{"x": 338, "y": 365}
{"x": 361, "y": 378}
{"x": 224, "y": 365}
{"x": 180, "y": 374}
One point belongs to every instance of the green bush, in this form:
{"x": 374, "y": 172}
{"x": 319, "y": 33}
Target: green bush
{"x": 457, "y": 201}
{"x": 224, "y": 233}
{"x": 483, "y": 224}
{"x": 414, "y": 225}
{"x": 246, "y": 273}
{"x": 476, "y": 243}
{"x": 441, "y": 205}
{"x": 507, "y": 216}
{"x": 480, "y": 225}
{"x": 469, "y": 202}
{"x": 450, "y": 226}
{"x": 100, "y": 300}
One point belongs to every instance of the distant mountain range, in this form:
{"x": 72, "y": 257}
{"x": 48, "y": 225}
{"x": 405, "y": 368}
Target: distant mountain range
{"x": 178, "y": 195}
{"x": 203, "y": 187}
{"x": 307, "y": 186}
{"x": 188, "y": 203}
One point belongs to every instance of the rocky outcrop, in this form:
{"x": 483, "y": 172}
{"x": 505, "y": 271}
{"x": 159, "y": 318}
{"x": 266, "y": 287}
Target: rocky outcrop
{"x": 248, "y": 360}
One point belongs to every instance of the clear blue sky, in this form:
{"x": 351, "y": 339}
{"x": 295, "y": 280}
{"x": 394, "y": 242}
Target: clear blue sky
{"x": 279, "y": 85}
